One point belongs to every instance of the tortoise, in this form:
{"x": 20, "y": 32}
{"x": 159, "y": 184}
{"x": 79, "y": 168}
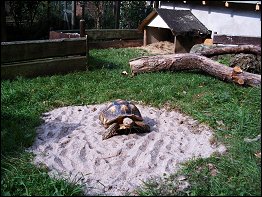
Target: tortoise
{"x": 121, "y": 116}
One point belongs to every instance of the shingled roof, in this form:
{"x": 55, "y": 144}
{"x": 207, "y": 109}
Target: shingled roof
{"x": 180, "y": 22}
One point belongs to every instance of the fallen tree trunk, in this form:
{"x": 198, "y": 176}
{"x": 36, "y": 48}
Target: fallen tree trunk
{"x": 250, "y": 49}
{"x": 189, "y": 61}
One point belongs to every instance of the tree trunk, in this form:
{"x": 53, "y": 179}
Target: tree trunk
{"x": 73, "y": 18}
{"x": 117, "y": 13}
{"x": 189, "y": 61}
{"x": 251, "y": 49}
{"x": 3, "y": 22}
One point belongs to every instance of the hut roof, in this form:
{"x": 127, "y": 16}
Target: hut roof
{"x": 180, "y": 22}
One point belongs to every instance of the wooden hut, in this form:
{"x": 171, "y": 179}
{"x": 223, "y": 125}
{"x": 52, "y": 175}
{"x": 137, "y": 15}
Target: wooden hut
{"x": 178, "y": 26}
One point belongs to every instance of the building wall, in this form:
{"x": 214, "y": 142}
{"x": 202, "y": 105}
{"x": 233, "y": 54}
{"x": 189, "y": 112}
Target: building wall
{"x": 222, "y": 20}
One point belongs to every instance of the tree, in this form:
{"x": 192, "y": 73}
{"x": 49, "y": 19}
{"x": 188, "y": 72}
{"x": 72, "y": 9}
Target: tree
{"x": 117, "y": 13}
{"x": 132, "y": 13}
{"x": 3, "y": 22}
{"x": 101, "y": 12}
{"x": 31, "y": 20}
{"x": 24, "y": 12}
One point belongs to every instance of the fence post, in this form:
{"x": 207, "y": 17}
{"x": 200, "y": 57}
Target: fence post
{"x": 87, "y": 51}
{"x": 82, "y": 28}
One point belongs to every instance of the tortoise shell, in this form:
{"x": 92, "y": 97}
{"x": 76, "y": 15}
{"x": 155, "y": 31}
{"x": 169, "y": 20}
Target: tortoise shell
{"x": 118, "y": 110}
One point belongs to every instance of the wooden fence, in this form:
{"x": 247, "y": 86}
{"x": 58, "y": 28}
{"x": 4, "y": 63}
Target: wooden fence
{"x": 43, "y": 57}
{"x": 63, "y": 55}
{"x": 237, "y": 40}
{"x": 104, "y": 38}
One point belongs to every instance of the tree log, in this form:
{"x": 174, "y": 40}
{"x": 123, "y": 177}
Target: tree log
{"x": 189, "y": 61}
{"x": 250, "y": 49}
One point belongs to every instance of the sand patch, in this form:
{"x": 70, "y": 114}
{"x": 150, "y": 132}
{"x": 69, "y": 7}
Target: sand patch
{"x": 159, "y": 48}
{"x": 69, "y": 143}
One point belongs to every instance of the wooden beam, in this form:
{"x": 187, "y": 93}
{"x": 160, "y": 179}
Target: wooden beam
{"x": 110, "y": 34}
{"x": 99, "y": 34}
{"x": 43, "y": 67}
{"x": 150, "y": 16}
{"x": 115, "y": 44}
{"x": 145, "y": 37}
{"x": 237, "y": 40}
{"x": 82, "y": 28}
{"x": 174, "y": 44}
{"x": 29, "y": 50}
{"x": 87, "y": 50}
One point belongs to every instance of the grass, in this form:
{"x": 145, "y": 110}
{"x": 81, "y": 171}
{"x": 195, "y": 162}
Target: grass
{"x": 22, "y": 178}
{"x": 232, "y": 111}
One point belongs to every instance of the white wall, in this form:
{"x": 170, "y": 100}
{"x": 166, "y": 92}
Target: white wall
{"x": 224, "y": 21}
{"x": 158, "y": 22}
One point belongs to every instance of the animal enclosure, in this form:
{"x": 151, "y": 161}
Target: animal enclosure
{"x": 43, "y": 57}
{"x": 62, "y": 53}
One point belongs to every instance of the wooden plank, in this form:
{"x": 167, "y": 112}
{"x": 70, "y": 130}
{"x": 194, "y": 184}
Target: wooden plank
{"x": 110, "y": 34}
{"x": 149, "y": 17}
{"x": 58, "y": 34}
{"x": 174, "y": 44}
{"x": 115, "y": 44}
{"x": 82, "y": 28}
{"x": 145, "y": 37}
{"x": 44, "y": 67}
{"x": 236, "y": 40}
{"x": 98, "y": 34}
{"x": 87, "y": 50}
{"x": 37, "y": 49}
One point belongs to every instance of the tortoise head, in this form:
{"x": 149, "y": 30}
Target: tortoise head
{"x": 128, "y": 123}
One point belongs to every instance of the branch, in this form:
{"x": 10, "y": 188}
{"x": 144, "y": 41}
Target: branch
{"x": 251, "y": 49}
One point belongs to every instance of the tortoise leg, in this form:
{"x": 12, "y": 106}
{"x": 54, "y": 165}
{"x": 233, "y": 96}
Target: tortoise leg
{"x": 111, "y": 131}
{"x": 142, "y": 127}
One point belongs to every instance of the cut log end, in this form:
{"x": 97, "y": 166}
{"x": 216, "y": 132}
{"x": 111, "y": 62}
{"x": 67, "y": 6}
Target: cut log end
{"x": 238, "y": 80}
{"x": 237, "y": 69}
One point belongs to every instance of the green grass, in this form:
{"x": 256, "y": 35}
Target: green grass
{"x": 203, "y": 97}
{"x": 21, "y": 178}
{"x": 224, "y": 59}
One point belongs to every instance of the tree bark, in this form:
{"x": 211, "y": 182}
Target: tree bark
{"x": 251, "y": 49}
{"x": 117, "y": 13}
{"x": 189, "y": 61}
{"x": 3, "y": 22}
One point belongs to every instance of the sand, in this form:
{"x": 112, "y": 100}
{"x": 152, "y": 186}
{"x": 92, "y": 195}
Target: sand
{"x": 159, "y": 48}
{"x": 69, "y": 143}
